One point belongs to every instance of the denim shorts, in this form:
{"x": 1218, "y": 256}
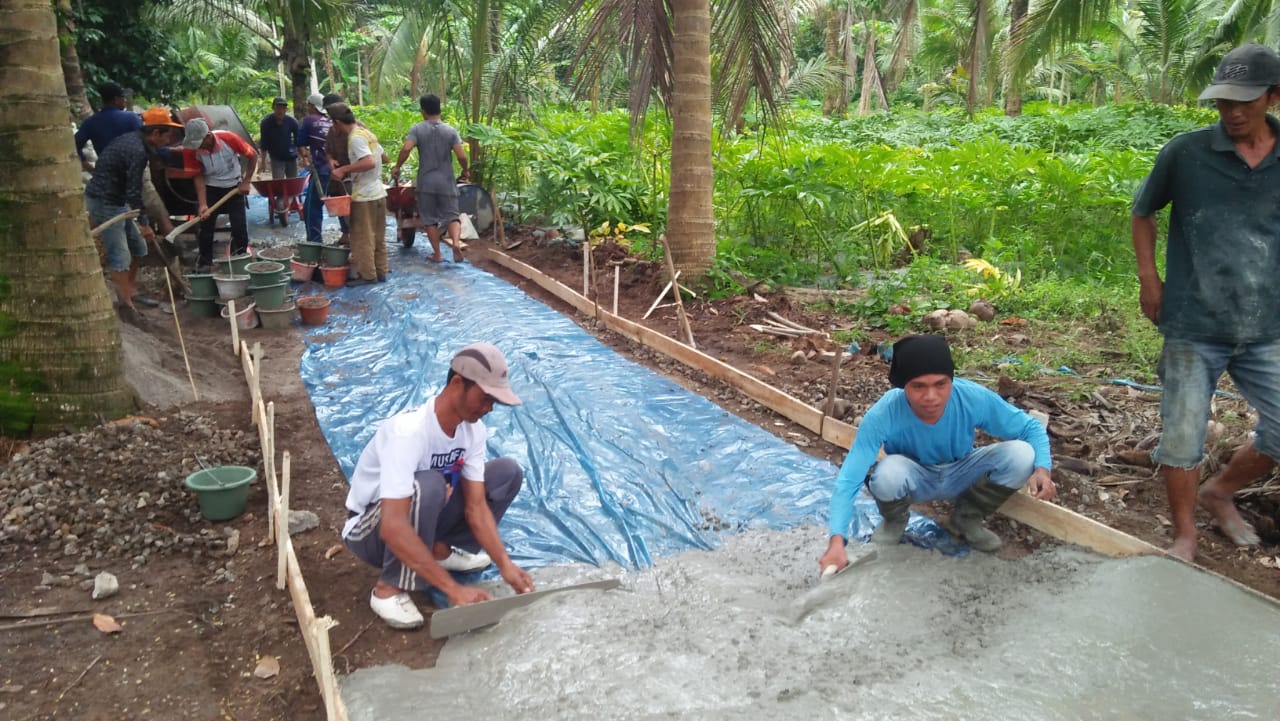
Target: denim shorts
{"x": 1189, "y": 371}
{"x": 122, "y": 241}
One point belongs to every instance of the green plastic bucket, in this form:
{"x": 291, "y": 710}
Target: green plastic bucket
{"x": 203, "y": 307}
{"x": 264, "y": 273}
{"x": 236, "y": 264}
{"x": 202, "y": 285}
{"x": 309, "y": 252}
{"x": 335, "y": 255}
{"x": 221, "y": 491}
{"x": 271, "y": 297}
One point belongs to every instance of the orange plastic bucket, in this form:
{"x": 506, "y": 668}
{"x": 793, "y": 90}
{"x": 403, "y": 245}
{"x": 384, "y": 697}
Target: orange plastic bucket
{"x": 334, "y": 276}
{"x": 338, "y": 205}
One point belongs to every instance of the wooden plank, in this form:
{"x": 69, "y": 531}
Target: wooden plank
{"x": 460, "y": 619}
{"x": 1070, "y": 526}
{"x": 783, "y": 404}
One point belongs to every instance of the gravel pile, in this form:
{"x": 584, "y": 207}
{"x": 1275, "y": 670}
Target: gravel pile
{"x": 116, "y": 492}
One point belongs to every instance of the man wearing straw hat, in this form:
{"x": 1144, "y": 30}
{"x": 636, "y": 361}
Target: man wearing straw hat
{"x": 368, "y": 220}
{"x": 117, "y": 183}
{"x": 424, "y": 501}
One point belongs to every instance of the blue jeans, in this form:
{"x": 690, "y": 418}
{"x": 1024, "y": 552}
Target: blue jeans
{"x": 313, "y": 207}
{"x": 1008, "y": 464}
{"x": 1189, "y": 371}
{"x": 122, "y": 241}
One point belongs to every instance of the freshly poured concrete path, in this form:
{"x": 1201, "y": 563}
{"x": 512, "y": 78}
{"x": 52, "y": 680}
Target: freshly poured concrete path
{"x": 912, "y": 635}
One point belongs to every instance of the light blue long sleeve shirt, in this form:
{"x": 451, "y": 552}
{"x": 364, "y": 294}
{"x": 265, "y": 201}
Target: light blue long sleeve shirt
{"x": 890, "y": 423}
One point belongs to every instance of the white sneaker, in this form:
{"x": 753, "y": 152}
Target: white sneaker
{"x": 462, "y": 561}
{"x": 398, "y": 610}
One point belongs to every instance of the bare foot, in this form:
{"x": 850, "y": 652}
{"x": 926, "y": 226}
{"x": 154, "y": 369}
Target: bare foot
{"x": 437, "y": 258}
{"x": 1184, "y": 549}
{"x": 1230, "y": 522}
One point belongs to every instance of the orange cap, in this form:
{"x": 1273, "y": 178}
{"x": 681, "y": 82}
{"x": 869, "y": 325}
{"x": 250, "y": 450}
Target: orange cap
{"x": 158, "y": 117}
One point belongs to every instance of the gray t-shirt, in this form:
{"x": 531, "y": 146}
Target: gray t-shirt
{"x": 435, "y": 141}
{"x": 1222, "y": 264}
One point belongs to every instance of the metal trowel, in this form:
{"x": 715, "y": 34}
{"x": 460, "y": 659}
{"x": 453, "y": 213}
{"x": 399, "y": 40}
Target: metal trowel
{"x": 828, "y": 587}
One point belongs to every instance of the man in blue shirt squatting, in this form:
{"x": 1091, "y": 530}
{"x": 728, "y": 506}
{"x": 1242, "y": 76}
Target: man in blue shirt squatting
{"x": 926, "y": 426}
{"x": 423, "y": 499}
{"x": 1217, "y": 305}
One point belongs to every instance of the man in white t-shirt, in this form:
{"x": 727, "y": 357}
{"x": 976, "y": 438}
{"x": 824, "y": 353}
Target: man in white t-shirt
{"x": 424, "y": 502}
{"x": 368, "y": 196}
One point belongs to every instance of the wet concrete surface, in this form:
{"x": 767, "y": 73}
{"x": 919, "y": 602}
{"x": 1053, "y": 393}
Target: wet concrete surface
{"x": 912, "y": 634}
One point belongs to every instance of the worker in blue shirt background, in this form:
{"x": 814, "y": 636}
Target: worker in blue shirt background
{"x": 107, "y": 124}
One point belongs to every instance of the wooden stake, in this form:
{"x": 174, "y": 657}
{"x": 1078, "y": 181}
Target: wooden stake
{"x": 616, "y": 272}
{"x": 499, "y": 233}
{"x": 658, "y": 300}
{"x": 257, "y": 370}
{"x": 281, "y": 510}
{"x": 195, "y": 394}
{"x": 835, "y": 380}
{"x": 586, "y": 266}
{"x": 270, "y": 450}
{"x": 675, "y": 285}
{"x": 235, "y": 332}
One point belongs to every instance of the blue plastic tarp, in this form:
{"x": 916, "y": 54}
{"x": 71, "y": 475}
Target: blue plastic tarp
{"x": 621, "y": 464}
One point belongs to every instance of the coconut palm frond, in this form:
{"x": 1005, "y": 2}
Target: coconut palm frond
{"x": 750, "y": 57}
{"x": 636, "y": 33}
{"x": 810, "y": 77}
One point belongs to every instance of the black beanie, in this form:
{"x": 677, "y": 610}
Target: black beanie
{"x": 920, "y": 355}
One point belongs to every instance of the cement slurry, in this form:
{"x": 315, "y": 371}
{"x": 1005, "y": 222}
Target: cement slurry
{"x": 912, "y": 635}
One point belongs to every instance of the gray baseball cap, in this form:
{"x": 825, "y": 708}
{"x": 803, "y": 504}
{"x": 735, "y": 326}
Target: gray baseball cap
{"x": 1244, "y": 74}
{"x": 197, "y": 131}
{"x": 484, "y": 365}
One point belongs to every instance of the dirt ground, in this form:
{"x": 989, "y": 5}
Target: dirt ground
{"x": 196, "y": 624}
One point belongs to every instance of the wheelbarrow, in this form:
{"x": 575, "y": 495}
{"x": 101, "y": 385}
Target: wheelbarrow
{"x": 402, "y": 201}
{"x": 289, "y": 192}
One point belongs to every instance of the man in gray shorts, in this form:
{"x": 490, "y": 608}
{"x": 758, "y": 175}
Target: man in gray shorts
{"x": 425, "y": 499}
{"x": 1216, "y": 306}
{"x": 437, "y": 188}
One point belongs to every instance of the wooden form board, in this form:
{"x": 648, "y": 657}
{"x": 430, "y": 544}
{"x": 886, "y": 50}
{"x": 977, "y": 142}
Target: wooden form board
{"x": 461, "y": 619}
{"x": 315, "y": 630}
{"x": 812, "y": 419}
{"x": 1056, "y": 521}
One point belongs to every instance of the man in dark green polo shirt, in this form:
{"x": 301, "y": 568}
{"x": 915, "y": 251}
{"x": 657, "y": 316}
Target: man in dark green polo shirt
{"x": 1217, "y": 306}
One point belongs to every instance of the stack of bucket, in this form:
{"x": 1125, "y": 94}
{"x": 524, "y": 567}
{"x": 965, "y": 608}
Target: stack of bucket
{"x": 269, "y": 284}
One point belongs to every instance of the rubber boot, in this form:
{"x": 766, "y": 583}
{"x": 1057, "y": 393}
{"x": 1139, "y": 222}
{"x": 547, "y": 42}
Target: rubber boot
{"x": 972, "y": 508}
{"x": 890, "y": 530}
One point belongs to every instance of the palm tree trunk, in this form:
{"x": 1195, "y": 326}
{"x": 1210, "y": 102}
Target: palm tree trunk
{"x": 328, "y": 67}
{"x": 72, "y": 76}
{"x": 297, "y": 62}
{"x": 690, "y": 216}
{"x": 60, "y": 359}
{"x": 836, "y": 99}
{"x": 1012, "y": 78}
{"x": 977, "y": 48}
{"x": 903, "y": 39}
{"x": 479, "y": 56}
{"x": 870, "y": 71}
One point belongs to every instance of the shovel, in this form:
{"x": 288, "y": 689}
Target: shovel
{"x": 828, "y": 588}
{"x": 182, "y": 228}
